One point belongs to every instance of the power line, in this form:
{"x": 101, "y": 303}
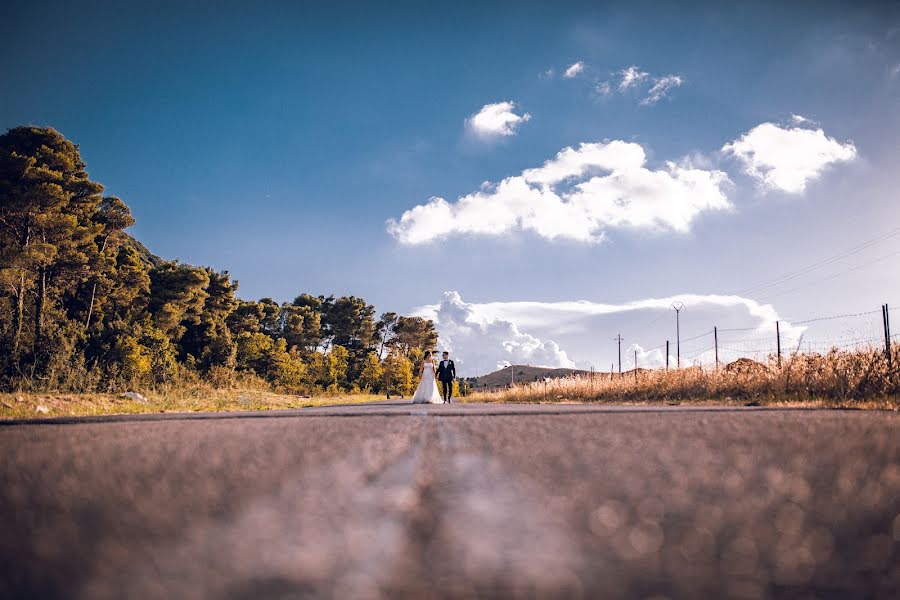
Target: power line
{"x": 821, "y": 263}
{"x": 831, "y": 318}
{"x": 865, "y": 265}
{"x": 705, "y": 333}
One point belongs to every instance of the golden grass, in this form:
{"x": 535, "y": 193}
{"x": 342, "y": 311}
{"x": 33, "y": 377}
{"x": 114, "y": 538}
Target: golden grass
{"x": 838, "y": 379}
{"x": 200, "y": 399}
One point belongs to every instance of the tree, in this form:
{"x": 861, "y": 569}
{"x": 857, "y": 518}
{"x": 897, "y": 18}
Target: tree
{"x": 177, "y": 296}
{"x": 398, "y": 374}
{"x": 287, "y": 368}
{"x": 336, "y": 366}
{"x": 371, "y": 376}
{"x": 385, "y": 330}
{"x": 349, "y": 322}
{"x": 47, "y": 230}
{"x": 302, "y": 327}
{"x": 209, "y": 339}
{"x": 247, "y": 317}
{"x": 112, "y": 216}
{"x": 254, "y": 353}
{"x": 413, "y": 333}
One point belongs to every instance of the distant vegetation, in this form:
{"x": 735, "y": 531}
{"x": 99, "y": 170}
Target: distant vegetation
{"x": 85, "y": 307}
{"x": 842, "y": 378}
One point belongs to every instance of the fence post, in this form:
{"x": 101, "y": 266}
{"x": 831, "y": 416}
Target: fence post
{"x": 716, "y": 344}
{"x": 885, "y": 317}
{"x": 778, "y": 340}
{"x": 619, "y": 339}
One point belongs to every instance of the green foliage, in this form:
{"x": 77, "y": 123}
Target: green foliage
{"x": 371, "y": 375}
{"x": 413, "y": 333}
{"x": 398, "y": 375}
{"x": 84, "y": 306}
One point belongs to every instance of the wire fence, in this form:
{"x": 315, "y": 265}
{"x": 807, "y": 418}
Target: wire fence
{"x": 772, "y": 341}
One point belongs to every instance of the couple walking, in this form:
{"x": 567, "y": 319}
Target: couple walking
{"x": 445, "y": 372}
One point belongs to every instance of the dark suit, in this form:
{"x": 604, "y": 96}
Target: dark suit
{"x": 446, "y": 375}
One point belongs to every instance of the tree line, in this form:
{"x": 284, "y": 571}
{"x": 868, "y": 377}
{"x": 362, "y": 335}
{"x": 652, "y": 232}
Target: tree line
{"x": 84, "y": 306}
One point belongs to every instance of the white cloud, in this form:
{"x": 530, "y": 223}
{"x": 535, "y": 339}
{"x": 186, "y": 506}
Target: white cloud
{"x": 540, "y": 315}
{"x": 574, "y": 70}
{"x": 661, "y": 87}
{"x": 491, "y": 334}
{"x": 496, "y": 120}
{"x": 646, "y": 359}
{"x": 483, "y": 343}
{"x": 631, "y": 77}
{"x": 788, "y": 159}
{"x": 576, "y": 195}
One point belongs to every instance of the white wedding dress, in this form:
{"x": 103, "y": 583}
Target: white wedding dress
{"x": 427, "y": 392}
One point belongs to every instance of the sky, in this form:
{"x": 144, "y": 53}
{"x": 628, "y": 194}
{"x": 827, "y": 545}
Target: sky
{"x": 537, "y": 177}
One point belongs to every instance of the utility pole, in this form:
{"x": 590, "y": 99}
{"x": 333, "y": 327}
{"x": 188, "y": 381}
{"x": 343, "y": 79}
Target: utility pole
{"x": 778, "y": 340}
{"x": 716, "y": 344}
{"x": 678, "y": 306}
{"x": 635, "y": 366}
{"x": 886, "y": 317}
{"x": 619, "y": 339}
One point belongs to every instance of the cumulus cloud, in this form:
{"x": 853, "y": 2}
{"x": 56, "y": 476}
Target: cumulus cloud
{"x": 485, "y": 343}
{"x": 646, "y": 359}
{"x": 660, "y": 89}
{"x": 574, "y": 70}
{"x": 493, "y": 334}
{"x": 576, "y": 195}
{"x": 496, "y": 120}
{"x": 788, "y": 158}
{"x": 540, "y": 315}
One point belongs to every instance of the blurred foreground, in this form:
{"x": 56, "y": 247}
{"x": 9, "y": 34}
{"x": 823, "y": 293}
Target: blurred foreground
{"x": 459, "y": 501}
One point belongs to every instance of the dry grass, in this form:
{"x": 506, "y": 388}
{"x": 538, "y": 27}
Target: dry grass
{"x": 854, "y": 379}
{"x": 200, "y": 399}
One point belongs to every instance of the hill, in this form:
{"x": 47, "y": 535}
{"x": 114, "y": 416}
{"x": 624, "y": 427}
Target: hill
{"x": 520, "y": 374}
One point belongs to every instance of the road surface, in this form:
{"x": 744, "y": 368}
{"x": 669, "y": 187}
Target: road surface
{"x": 458, "y": 501}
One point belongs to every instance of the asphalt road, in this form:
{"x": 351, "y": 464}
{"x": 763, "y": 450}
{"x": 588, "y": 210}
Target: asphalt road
{"x": 454, "y": 501}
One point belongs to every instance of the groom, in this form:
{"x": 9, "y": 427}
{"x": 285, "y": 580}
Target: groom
{"x": 446, "y": 373}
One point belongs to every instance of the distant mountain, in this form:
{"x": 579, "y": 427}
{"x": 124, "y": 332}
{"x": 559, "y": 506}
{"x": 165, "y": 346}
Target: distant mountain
{"x": 520, "y": 374}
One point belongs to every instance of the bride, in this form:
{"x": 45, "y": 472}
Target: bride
{"x": 427, "y": 392}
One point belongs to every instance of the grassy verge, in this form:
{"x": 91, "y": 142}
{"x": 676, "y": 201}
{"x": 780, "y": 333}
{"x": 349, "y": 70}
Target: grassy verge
{"x": 837, "y": 379}
{"x": 38, "y": 405}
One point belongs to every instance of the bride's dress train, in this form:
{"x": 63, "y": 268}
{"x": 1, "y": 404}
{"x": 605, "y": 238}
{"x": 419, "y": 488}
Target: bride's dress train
{"x": 427, "y": 392}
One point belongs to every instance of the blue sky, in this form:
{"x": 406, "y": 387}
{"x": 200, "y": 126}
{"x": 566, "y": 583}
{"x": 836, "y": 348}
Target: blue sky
{"x": 277, "y": 140}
